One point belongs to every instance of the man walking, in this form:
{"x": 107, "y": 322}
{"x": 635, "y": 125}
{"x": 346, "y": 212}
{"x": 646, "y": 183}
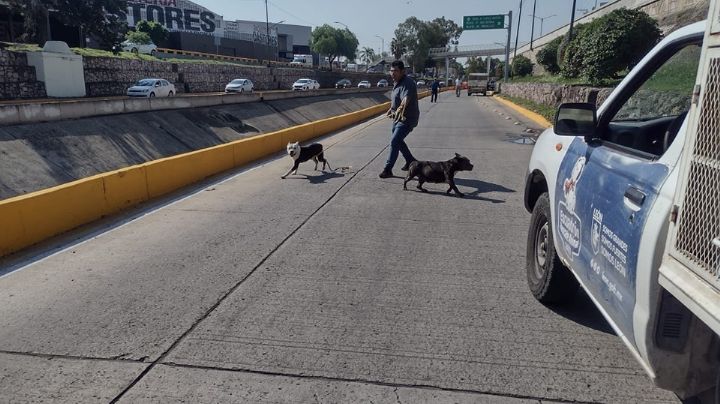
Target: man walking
{"x": 434, "y": 89}
{"x": 404, "y": 91}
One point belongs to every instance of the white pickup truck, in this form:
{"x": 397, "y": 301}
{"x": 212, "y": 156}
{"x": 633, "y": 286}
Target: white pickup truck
{"x": 625, "y": 203}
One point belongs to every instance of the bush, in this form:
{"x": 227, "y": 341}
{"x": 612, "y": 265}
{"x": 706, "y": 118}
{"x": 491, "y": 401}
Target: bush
{"x": 138, "y": 37}
{"x": 547, "y": 57}
{"x": 568, "y": 60}
{"x": 521, "y": 66}
{"x": 158, "y": 33}
{"x": 616, "y": 42}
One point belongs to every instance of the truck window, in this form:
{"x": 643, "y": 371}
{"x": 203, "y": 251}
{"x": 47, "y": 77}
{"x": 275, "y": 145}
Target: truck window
{"x": 659, "y": 105}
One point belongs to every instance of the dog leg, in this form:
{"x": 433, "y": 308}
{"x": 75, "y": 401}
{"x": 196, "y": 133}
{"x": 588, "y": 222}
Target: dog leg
{"x": 292, "y": 170}
{"x": 420, "y": 184}
{"x": 408, "y": 177}
{"x": 453, "y": 187}
{"x": 316, "y": 162}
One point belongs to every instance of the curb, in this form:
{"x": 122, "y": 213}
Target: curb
{"x": 533, "y": 116}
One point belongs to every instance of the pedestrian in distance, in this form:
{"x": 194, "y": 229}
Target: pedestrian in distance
{"x": 434, "y": 88}
{"x": 458, "y": 86}
{"x": 405, "y": 113}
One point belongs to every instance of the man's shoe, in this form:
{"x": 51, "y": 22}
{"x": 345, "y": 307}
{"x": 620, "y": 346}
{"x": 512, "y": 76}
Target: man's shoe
{"x": 407, "y": 165}
{"x": 385, "y": 174}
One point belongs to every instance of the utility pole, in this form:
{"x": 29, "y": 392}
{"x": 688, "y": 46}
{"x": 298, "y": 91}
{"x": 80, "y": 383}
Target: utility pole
{"x": 507, "y": 48}
{"x": 517, "y": 32}
{"x": 572, "y": 20}
{"x": 532, "y": 30}
{"x": 267, "y": 28}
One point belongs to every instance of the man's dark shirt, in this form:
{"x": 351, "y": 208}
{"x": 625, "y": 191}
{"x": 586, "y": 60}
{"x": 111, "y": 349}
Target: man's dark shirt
{"x": 435, "y": 87}
{"x": 406, "y": 88}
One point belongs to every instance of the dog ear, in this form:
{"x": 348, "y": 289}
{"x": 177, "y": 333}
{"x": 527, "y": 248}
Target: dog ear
{"x": 457, "y": 155}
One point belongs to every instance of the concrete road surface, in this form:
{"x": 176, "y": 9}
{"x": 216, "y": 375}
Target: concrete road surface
{"x": 323, "y": 287}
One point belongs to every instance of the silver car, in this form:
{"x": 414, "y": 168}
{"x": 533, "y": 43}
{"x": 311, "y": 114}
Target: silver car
{"x": 240, "y": 86}
{"x": 364, "y": 84}
{"x": 152, "y": 88}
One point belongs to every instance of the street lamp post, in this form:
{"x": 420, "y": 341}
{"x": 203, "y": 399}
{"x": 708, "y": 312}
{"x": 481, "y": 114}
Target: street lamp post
{"x": 382, "y": 47}
{"x": 275, "y": 26}
{"x": 532, "y": 33}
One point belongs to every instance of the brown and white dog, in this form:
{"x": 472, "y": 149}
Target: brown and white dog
{"x": 301, "y": 154}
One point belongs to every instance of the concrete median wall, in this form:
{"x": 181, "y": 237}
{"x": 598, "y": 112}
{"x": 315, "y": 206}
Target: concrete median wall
{"x": 15, "y": 114}
{"x": 28, "y": 219}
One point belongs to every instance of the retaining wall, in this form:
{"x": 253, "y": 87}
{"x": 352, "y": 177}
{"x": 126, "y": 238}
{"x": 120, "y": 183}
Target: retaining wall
{"x": 17, "y": 79}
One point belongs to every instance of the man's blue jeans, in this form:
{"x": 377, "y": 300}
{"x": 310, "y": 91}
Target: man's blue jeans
{"x": 397, "y": 144}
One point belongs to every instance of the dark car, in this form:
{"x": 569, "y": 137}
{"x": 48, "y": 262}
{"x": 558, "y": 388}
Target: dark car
{"x": 344, "y": 83}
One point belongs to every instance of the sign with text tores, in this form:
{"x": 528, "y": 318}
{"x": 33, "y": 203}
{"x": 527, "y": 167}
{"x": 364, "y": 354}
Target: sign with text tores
{"x": 484, "y": 21}
{"x": 175, "y": 15}
{"x": 186, "y": 16}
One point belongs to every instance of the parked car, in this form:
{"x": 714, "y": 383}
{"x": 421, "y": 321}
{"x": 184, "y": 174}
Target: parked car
{"x": 344, "y": 83}
{"x": 148, "y": 49}
{"x": 240, "y": 86}
{"x": 421, "y": 83}
{"x": 152, "y": 88}
{"x": 364, "y": 84}
{"x": 382, "y": 83}
{"x": 305, "y": 85}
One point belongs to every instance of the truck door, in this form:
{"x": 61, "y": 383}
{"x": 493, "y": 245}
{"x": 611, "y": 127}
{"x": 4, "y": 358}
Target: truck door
{"x": 606, "y": 189}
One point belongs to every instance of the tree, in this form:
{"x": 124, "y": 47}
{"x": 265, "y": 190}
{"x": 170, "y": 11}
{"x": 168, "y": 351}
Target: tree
{"x": 333, "y": 42}
{"x": 158, "y": 33}
{"x": 616, "y": 42}
{"x": 521, "y": 66}
{"x": 476, "y": 65}
{"x": 100, "y": 18}
{"x": 547, "y": 57}
{"x": 141, "y": 38}
{"x": 367, "y": 55}
{"x": 414, "y": 38}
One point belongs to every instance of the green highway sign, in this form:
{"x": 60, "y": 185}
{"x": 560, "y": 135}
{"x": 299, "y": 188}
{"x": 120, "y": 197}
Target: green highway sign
{"x": 484, "y": 21}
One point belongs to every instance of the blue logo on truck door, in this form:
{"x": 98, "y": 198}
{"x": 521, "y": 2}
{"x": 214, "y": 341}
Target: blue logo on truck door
{"x": 599, "y": 227}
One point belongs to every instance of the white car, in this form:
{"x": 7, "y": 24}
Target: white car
{"x": 240, "y": 86}
{"x": 382, "y": 83}
{"x": 305, "y": 85}
{"x": 148, "y": 49}
{"x": 152, "y": 88}
{"x": 364, "y": 84}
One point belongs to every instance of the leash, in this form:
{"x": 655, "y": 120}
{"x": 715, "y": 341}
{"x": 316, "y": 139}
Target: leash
{"x": 398, "y": 115}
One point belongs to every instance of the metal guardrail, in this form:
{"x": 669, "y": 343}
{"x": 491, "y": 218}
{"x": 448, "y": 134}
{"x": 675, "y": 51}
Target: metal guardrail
{"x": 469, "y": 50}
{"x": 213, "y": 56}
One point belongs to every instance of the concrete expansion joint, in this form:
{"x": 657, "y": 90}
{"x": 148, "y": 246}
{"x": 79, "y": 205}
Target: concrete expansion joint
{"x": 116, "y": 358}
{"x": 396, "y": 386}
{"x": 161, "y": 358}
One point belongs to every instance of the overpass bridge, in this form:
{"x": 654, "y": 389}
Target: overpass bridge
{"x": 485, "y": 50}
{"x": 333, "y": 286}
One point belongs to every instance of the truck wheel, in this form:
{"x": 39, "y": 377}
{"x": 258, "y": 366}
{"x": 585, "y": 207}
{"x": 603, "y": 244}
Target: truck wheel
{"x": 549, "y": 280}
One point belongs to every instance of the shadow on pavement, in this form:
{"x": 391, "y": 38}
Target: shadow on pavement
{"x": 316, "y": 179}
{"x": 582, "y": 311}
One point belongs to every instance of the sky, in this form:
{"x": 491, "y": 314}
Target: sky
{"x": 370, "y": 19}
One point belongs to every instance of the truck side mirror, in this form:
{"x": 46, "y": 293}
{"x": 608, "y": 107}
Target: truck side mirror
{"x": 576, "y": 119}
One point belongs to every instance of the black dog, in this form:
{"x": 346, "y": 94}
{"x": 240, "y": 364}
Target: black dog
{"x": 440, "y": 171}
{"x": 303, "y": 154}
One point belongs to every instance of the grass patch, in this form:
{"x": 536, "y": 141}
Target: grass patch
{"x": 91, "y": 52}
{"x": 551, "y": 79}
{"x": 544, "y": 110}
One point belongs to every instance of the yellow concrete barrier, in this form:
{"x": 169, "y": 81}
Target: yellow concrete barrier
{"x": 29, "y": 219}
{"x": 48, "y": 212}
